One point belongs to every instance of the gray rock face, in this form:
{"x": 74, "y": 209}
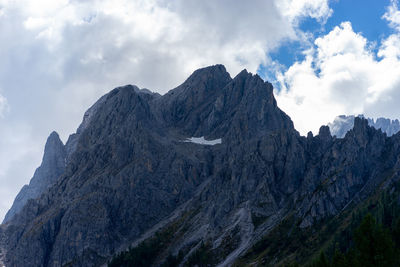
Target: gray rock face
{"x": 131, "y": 173}
{"x": 342, "y": 124}
{"x": 388, "y": 126}
{"x": 54, "y": 161}
{"x": 52, "y": 166}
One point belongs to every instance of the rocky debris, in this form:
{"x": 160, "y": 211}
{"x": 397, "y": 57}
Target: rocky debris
{"x": 130, "y": 173}
{"x": 342, "y": 124}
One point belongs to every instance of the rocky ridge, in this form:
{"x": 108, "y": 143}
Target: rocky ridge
{"x": 55, "y": 159}
{"x": 52, "y": 166}
{"x": 342, "y": 124}
{"x": 131, "y": 174}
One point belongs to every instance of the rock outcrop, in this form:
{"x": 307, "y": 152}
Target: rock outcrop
{"x": 131, "y": 174}
{"x": 55, "y": 158}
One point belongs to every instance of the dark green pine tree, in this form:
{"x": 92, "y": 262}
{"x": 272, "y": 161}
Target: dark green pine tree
{"x": 321, "y": 261}
{"x": 373, "y": 244}
{"x": 339, "y": 259}
{"x": 396, "y": 233}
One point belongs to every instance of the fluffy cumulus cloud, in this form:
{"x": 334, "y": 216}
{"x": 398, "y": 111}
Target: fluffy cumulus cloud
{"x": 393, "y": 15}
{"x": 298, "y": 9}
{"x": 59, "y": 56}
{"x": 343, "y": 73}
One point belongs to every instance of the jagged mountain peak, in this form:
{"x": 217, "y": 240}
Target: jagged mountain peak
{"x": 201, "y": 83}
{"x": 342, "y": 124}
{"x": 245, "y": 75}
{"x": 360, "y": 124}
{"x": 53, "y": 140}
{"x": 214, "y": 70}
{"x": 324, "y": 132}
{"x": 211, "y": 80}
{"x": 52, "y": 166}
{"x": 129, "y": 89}
{"x": 54, "y": 147}
{"x": 254, "y": 80}
{"x": 53, "y": 136}
{"x": 132, "y": 174}
{"x": 211, "y": 103}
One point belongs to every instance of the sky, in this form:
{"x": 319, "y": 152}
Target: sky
{"x": 57, "y": 57}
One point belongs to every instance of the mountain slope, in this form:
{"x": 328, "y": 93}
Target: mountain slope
{"x": 133, "y": 178}
{"x": 55, "y": 158}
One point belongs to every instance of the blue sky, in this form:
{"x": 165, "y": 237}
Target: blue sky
{"x": 58, "y": 57}
{"x": 344, "y": 62}
{"x": 364, "y": 15}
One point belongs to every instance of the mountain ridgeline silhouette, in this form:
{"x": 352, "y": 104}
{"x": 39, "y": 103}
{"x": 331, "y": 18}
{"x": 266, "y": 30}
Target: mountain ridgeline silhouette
{"x": 131, "y": 178}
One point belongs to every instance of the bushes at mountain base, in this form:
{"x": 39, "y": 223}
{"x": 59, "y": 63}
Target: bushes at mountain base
{"x": 142, "y": 255}
{"x": 289, "y": 245}
{"x": 373, "y": 246}
{"x": 364, "y": 242}
{"x": 146, "y": 253}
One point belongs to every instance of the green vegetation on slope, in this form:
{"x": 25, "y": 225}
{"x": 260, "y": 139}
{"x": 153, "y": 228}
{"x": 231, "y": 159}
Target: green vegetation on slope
{"x": 373, "y": 245}
{"x": 289, "y": 245}
{"x": 366, "y": 233}
{"x": 145, "y": 253}
{"x": 153, "y": 250}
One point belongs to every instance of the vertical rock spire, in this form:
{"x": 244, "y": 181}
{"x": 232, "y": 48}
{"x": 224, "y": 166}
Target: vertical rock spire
{"x": 52, "y": 166}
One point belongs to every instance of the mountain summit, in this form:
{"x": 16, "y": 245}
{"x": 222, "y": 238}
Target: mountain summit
{"x": 53, "y": 165}
{"x": 136, "y": 175}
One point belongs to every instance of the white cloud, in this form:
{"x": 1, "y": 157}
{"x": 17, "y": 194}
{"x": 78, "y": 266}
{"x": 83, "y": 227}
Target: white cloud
{"x": 190, "y": 33}
{"x": 342, "y": 75}
{"x": 393, "y": 15}
{"x": 20, "y": 154}
{"x": 297, "y": 9}
{"x": 59, "y": 56}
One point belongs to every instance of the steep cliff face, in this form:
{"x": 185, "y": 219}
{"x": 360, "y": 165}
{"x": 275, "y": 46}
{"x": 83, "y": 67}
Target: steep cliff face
{"x": 52, "y": 166}
{"x": 132, "y": 174}
{"x": 345, "y": 171}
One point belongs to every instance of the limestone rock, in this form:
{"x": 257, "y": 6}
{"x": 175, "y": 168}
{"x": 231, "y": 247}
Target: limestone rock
{"x": 131, "y": 173}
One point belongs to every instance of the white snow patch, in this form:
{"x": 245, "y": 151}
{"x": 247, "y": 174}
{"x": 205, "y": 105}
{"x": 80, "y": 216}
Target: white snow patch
{"x": 202, "y": 141}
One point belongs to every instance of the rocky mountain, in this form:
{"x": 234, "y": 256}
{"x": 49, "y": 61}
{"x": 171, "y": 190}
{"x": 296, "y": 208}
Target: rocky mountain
{"x": 53, "y": 165}
{"x": 56, "y": 157}
{"x": 212, "y": 168}
{"x": 342, "y": 124}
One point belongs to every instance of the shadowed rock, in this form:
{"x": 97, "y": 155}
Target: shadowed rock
{"x": 131, "y": 174}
